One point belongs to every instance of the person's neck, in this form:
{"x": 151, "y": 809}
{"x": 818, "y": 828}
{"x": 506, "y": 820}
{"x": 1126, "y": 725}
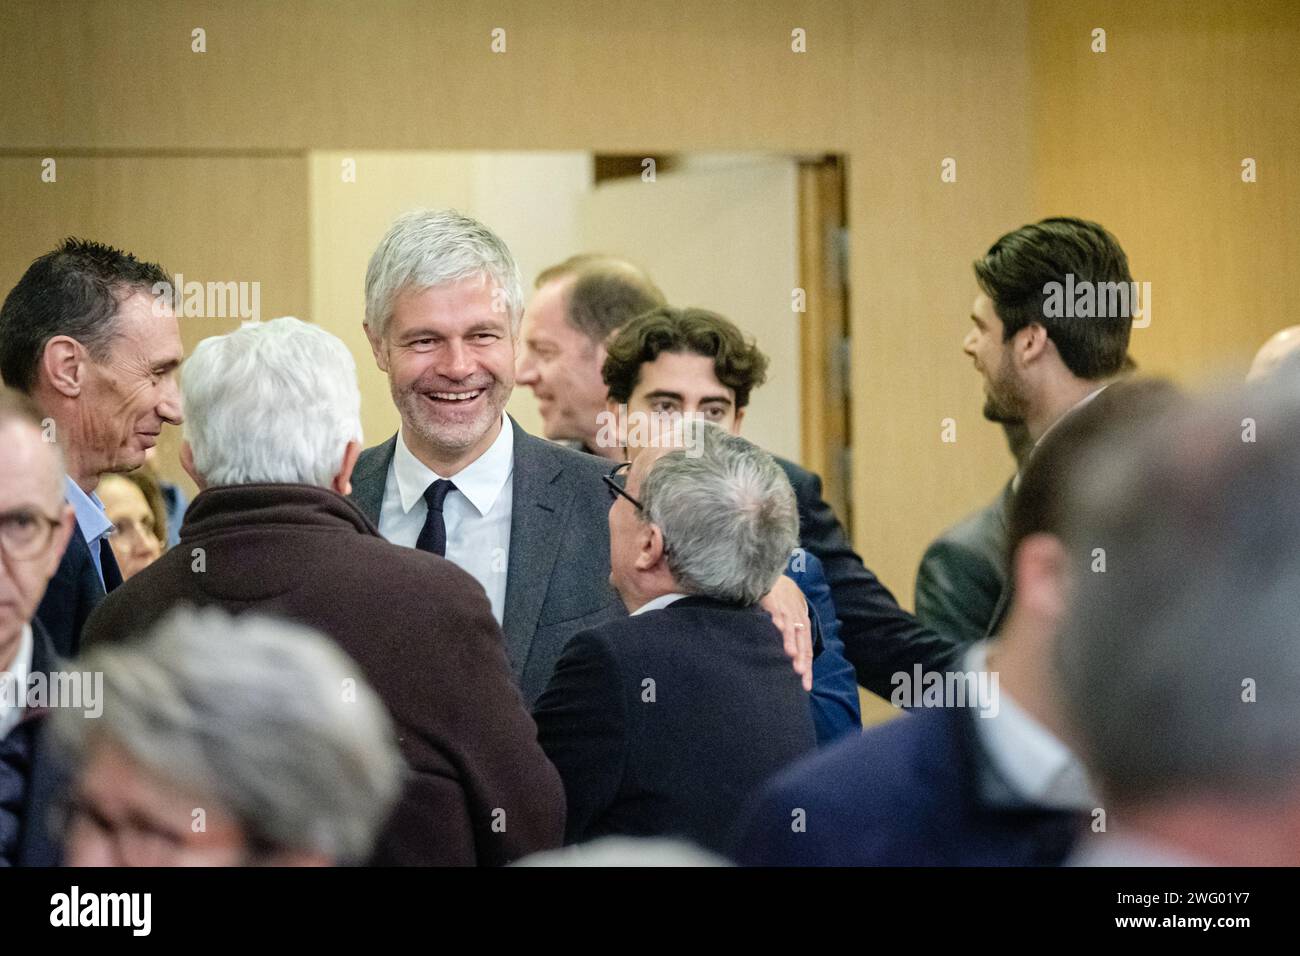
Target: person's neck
{"x": 443, "y": 462}
{"x": 76, "y": 463}
{"x": 79, "y": 470}
{"x": 1058, "y": 398}
{"x": 9, "y": 649}
{"x": 610, "y": 452}
{"x": 641, "y": 593}
{"x": 1016, "y": 655}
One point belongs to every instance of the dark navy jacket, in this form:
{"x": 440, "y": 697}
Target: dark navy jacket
{"x": 835, "y": 707}
{"x": 918, "y": 791}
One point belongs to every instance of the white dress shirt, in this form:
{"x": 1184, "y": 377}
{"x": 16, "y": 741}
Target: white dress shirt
{"x": 1033, "y": 761}
{"x": 661, "y": 601}
{"x": 477, "y": 514}
{"x": 13, "y": 684}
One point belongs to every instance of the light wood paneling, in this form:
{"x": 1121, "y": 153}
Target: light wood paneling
{"x": 1147, "y": 138}
{"x": 213, "y": 219}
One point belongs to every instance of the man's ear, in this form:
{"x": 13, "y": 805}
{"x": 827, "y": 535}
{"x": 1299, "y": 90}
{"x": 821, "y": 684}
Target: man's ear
{"x": 620, "y": 424}
{"x": 1031, "y": 343}
{"x": 187, "y": 462}
{"x": 735, "y": 422}
{"x": 63, "y": 361}
{"x": 1040, "y": 566}
{"x": 343, "y": 480}
{"x": 376, "y": 347}
{"x": 651, "y": 547}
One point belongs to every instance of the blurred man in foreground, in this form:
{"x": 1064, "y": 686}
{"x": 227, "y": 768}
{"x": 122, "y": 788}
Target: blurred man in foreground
{"x": 1179, "y": 664}
{"x": 228, "y": 742}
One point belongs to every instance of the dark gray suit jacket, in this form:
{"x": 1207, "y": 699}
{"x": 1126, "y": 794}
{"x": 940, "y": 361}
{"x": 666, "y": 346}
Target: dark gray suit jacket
{"x": 963, "y": 574}
{"x": 557, "y": 575}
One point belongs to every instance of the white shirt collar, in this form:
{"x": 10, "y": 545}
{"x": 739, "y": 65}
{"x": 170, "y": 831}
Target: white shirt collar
{"x": 13, "y": 696}
{"x": 91, "y": 519}
{"x": 662, "y": 601}
{"x": 480, "y": 481}
{"x": 1039, "y": 767}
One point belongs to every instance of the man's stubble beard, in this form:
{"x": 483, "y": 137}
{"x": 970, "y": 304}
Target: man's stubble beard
{"x": 1004, "y": 401}
{"x": 417, "y": 414}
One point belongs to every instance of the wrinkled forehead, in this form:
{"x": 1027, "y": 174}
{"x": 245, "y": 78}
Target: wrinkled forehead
{"x": 450, "y": 307}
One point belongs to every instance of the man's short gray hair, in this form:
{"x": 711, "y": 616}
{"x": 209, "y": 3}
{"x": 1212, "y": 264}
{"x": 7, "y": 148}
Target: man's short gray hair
{"x": 271, "y": 719}
{"x": 271, "y": 402}
{"x": 1179, "y": 659}
{"x": 727, "y": 513}
{"x": 427, "y": 248}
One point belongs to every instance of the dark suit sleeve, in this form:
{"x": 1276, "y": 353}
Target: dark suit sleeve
{"x": 880, "y": 638}
{"x": 581, "y": 723}
{"x": 834, "y": 697}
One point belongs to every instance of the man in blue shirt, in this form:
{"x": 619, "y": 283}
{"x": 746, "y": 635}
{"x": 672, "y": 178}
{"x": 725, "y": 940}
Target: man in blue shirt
{"x": 90, "y": 335}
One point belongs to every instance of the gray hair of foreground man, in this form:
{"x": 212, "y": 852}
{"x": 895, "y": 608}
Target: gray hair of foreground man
{"x": 271, "y": 402}
{"x": 1180, "y": 663}
{"x": 727, "y": 513}
{"x": 270, "y": 718}
{"x": 426, "y": 248}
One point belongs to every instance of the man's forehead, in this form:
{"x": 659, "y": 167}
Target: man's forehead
{"x": 29, "y": 464}
{"x": 148, "y": 323}
{"x": 684, "y": 373}
{"x": 450, "y": 305}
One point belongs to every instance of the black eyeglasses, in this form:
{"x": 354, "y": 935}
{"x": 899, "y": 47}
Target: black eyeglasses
{"x": 616, "y": 488}
{"x": 24, "y": 534}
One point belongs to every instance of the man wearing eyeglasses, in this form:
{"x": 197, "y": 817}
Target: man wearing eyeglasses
{"x": 664, "y": 723}
{"x": 35, "y": 524}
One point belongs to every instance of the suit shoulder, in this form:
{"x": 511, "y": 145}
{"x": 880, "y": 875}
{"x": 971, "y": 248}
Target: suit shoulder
{"x": 803, "y": 480}
{"x": 531, "y": 447}
{"x": 376, "y": 455}
{"x": 863, "y": 770}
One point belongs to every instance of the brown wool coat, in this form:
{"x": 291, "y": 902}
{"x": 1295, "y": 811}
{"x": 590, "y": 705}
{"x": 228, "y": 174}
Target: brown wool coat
{"x": 481, "y": 790}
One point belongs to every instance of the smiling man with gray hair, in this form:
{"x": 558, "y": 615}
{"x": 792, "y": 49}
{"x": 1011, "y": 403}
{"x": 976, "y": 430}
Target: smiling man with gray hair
{"x": 271, "y": 438}
{"x": 664, "y": 723}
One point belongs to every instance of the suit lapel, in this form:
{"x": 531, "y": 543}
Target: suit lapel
{"x": 44, "y": 658}
{"x": 108, "y": 567}
{"x": 536, "y": 526}
{"x": 369, "y": 478}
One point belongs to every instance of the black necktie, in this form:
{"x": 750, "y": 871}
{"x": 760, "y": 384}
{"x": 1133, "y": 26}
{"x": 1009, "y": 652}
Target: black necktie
{"x": 108, "y": 566}
{"x": 433, "y": 536}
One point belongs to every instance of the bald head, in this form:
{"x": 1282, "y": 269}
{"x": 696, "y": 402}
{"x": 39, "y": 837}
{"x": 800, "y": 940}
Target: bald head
{"x": 1280, "y": 347}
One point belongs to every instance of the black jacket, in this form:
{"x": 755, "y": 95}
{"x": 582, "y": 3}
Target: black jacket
{"x": 73, "y": 594}
{"x": 919, "y": 791}
{"x": 32, "y": 777}
{"x": 666, "y": 723}
{"x": 963, "y": 573}
{"x": 880, "y": 638}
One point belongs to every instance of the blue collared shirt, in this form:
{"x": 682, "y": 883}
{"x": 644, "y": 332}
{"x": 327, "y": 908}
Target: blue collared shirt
{"x": 92, "y": 521}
